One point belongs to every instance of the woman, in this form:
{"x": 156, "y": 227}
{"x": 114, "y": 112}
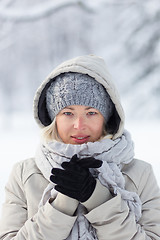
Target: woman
{"x": 84, "y": 182}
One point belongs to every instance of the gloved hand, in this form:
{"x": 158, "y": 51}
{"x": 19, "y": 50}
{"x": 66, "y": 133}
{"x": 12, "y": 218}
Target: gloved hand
{"x": 75, "y": 180}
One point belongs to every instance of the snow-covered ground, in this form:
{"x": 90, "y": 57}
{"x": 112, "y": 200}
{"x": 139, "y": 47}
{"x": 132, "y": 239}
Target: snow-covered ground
{"x": 19, "y": 142}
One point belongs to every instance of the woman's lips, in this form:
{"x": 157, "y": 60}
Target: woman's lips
{"x": 80, "y": 138}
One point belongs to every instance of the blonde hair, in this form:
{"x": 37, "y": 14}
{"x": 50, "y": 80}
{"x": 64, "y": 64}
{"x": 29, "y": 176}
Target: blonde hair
{"x": 50, "y": 133}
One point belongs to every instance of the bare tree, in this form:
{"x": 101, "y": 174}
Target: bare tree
{"x": 42, "y": 10}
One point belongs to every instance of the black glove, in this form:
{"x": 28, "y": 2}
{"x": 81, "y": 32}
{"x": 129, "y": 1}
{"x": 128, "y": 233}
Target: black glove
{"x": 75, "y": 180}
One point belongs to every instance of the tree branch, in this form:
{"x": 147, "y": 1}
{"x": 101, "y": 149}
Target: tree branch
{"x": 39, "y": 11}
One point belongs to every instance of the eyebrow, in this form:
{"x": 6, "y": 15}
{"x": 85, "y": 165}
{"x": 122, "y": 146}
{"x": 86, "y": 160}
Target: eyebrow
{"x": 87, "y": 108}
{"x": 68, "y": 108}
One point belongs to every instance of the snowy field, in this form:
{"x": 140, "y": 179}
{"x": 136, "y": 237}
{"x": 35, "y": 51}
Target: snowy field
{"x": 19, "y": 142}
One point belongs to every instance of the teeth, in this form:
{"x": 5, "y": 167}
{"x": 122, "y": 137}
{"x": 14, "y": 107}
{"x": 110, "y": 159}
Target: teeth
{"x": 80, "y": 137}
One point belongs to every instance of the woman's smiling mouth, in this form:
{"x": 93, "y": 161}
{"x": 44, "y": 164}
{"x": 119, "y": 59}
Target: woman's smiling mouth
{"x": 80, "y": 139}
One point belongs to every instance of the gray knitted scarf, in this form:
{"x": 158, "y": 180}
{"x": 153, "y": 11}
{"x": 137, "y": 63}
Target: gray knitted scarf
{"x": 114, "y": 154}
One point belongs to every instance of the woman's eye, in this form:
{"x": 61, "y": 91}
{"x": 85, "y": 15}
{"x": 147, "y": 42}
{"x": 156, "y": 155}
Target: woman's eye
{"x": 92, "y": 113}
{"x": 67, "y": 113}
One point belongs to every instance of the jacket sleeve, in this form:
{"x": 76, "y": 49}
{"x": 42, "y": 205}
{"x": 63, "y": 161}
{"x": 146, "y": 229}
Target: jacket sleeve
{"x": 113, "y": 220}
{"x": 48, "y": 223}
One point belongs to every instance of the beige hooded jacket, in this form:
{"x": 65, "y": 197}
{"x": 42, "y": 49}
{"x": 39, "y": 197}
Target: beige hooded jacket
{"x": 23, "y": 220}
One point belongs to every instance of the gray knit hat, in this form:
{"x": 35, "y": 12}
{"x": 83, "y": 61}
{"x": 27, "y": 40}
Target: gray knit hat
{"x": 77, "y": 89}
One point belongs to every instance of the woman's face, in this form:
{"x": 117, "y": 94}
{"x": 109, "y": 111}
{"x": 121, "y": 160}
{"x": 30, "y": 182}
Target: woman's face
{"x": 78, "y": 124}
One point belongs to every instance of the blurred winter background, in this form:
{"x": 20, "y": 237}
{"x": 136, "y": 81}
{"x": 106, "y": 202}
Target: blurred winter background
{"x": 37, "y": 35}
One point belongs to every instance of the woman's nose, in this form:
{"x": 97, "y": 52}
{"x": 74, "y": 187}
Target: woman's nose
{"x": 79, "y": 123}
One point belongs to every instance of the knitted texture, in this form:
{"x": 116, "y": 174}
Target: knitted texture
{"x": 77, "y": 89}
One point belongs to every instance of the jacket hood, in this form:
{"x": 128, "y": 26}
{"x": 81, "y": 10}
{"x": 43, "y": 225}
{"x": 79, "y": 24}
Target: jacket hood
{"x": 96, "y": 68}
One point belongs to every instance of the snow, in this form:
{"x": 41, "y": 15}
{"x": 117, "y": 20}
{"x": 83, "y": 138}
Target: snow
{"x": 20, "y": 141}
{"x": 146, "y": 139}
